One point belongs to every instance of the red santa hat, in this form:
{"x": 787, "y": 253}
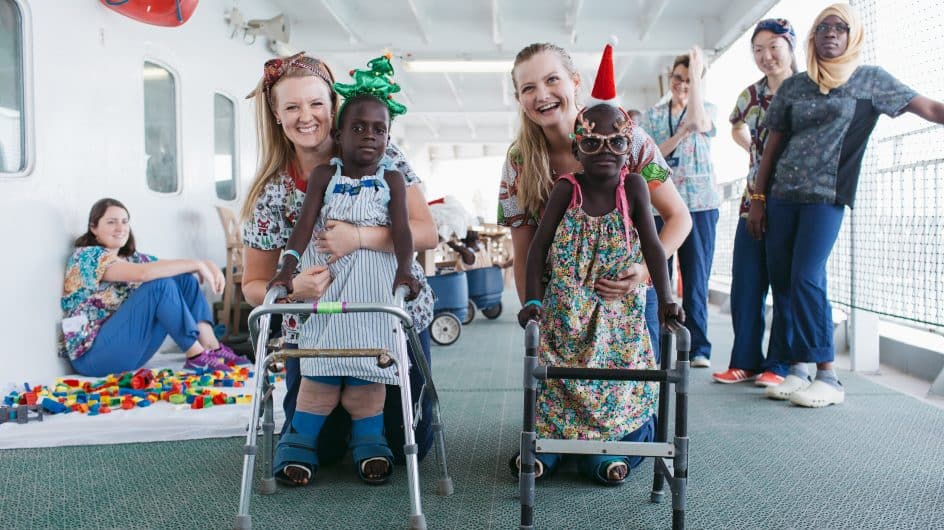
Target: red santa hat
{"x": 604, "y": 87}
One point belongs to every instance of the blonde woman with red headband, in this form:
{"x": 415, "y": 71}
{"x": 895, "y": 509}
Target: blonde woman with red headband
{"x": 295, "y": 111}
{"x": 819, "y": 123}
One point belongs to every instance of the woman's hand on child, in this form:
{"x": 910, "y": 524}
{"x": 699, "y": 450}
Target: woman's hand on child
{"x": 311, "y": 283}
{"x": 337, "y": 240}
{"x": 757, "y": 219}
{"x": 404, "y": 277}
{"x": 531, "y": 312}
{"x": 671, "y": 315}
{"x": 611, "y": 290}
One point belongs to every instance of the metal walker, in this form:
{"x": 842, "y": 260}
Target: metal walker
{"x": 671, "y": 459}
{"x": 262, "y": 402}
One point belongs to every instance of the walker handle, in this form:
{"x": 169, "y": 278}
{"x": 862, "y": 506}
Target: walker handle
{"x": 399, "y": 295}
{"x": 273, "y": 294}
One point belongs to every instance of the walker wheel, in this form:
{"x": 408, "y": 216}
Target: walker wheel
{"x": 493, "y": 312}
{"x": 471, "y": 314}
{"x": 445, "y": 329}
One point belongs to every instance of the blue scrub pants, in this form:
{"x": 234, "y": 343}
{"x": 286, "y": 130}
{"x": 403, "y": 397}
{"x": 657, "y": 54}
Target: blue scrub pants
{"x": 695, "y": 257}
{"x": 800, "y": 237}
{"x": 749, "y": 286}
{"x": 332, "y": 442}
{"x": 652, "y": 322}
{"x": 133, "y": 333}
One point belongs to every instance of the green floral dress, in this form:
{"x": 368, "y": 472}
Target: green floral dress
{"x": 580, "y": 329}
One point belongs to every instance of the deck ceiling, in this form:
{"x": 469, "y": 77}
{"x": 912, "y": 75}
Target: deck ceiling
{"x": 480, "y": 107}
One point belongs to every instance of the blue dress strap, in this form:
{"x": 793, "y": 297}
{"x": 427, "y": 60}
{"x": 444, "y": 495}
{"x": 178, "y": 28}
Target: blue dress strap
{"x": 385, "y": 165}
{"x": 336, "y": 162}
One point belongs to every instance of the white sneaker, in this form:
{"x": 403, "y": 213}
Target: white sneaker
{"x": 700, "y": 361}
{"x": 817, "y": 395}
{"x": 784, "y": 390}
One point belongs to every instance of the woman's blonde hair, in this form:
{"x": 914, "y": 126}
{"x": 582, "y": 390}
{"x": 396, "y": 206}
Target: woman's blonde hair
{"x": 275, "y": 150}
{"x": 530, "y": 151}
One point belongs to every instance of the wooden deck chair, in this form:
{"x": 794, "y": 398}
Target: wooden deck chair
{"x": 230, "y": 313}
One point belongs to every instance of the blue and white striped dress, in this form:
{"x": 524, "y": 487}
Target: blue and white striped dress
{"x": 362, "y": 276}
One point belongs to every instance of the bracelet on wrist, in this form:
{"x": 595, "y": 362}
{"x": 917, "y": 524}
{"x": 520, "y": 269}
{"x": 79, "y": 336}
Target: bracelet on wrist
{"x": 534, "y": 302}
{"x": 291, "y": 253}
{"x": 759, "y": 197}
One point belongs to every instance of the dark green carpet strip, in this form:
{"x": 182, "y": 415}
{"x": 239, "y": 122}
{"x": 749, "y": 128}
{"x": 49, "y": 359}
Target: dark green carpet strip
{"x": 874, "y": 462}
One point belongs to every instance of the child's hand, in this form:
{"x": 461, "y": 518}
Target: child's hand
{"x": 403, "y": 277}
{"x": 671, "y": 315}
{"x": 283, "y": 278}
{"x": 531, "y": 312}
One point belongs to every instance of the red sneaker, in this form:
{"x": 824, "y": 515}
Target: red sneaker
{"x": 768, "y": 379}
{"x": 732, "y": 375}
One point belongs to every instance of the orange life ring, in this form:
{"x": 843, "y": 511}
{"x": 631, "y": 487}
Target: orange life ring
{"x": 169, "y": 13}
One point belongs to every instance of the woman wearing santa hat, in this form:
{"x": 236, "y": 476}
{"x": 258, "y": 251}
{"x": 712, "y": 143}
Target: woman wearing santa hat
{"x": 546, "y": 84}
{"x": 595, "y": 224}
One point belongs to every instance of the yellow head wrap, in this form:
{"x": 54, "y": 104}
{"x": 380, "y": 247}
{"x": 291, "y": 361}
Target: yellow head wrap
{"x": 832, "y": 73}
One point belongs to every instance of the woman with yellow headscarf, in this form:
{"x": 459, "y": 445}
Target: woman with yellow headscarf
{"x": 819, "y": 124}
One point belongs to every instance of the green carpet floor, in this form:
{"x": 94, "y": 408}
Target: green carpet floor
{"x": 876, "y": 461}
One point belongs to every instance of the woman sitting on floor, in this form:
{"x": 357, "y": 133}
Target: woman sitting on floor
{"x": 119, "y": 304}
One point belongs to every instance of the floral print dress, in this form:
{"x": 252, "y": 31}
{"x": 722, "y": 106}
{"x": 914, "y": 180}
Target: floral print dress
{"x": 580, "y": 329}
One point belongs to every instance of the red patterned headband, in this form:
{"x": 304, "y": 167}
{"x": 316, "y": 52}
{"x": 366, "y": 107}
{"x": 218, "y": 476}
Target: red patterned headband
{"x": 274, "y": 69}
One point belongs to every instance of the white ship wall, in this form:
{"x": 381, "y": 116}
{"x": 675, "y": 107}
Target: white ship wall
{"x": 89, "y": 128}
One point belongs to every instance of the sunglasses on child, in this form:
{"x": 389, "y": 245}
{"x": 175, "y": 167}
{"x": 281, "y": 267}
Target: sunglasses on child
{"x": 591, "y": 144}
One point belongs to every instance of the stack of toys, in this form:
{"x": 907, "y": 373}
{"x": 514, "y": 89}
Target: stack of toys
{"x": 128, "y": 390}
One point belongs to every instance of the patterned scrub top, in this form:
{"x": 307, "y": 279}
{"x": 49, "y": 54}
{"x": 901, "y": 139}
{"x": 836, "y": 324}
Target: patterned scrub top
{"x": 644, "y": 158}
{"x": 581, "y": 329}
{"x": 694, "y": 176}
{"x": 828, "y": 133}
{"x": 278, "y": 207}
{"x": 88, "y": 300}
{"x": 749, "y": 109}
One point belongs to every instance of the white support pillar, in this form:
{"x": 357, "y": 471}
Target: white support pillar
{"x": 864, "y": 341}
{"x": 937, "y": 387}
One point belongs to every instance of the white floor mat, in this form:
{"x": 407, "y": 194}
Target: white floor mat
{"x": 162, "y": 421}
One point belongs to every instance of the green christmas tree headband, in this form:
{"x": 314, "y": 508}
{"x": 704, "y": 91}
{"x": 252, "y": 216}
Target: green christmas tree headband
{"x": 375, "y": 82}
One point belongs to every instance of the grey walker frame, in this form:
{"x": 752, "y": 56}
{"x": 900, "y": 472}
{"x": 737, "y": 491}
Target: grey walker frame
{"x": 670, "y": 459}
{"x": 262, "y": 403}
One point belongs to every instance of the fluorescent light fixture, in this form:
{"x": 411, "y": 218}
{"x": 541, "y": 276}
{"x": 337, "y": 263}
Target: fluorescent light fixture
{"x": 459, "y": 66}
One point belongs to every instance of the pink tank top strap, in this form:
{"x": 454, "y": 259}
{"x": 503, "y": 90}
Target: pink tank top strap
{"x": 622, "y": 205}
{"x": 576, "y": 198}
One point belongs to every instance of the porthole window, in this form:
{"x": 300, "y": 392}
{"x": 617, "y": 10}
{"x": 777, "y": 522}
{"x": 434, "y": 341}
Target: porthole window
{"x": 160, "y": 128}
{"x": 14, "y": 137}
{"x": 224, "y": 151}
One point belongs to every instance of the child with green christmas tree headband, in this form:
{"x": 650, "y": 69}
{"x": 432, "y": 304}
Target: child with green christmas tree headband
{"x": 357, "y": 189}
